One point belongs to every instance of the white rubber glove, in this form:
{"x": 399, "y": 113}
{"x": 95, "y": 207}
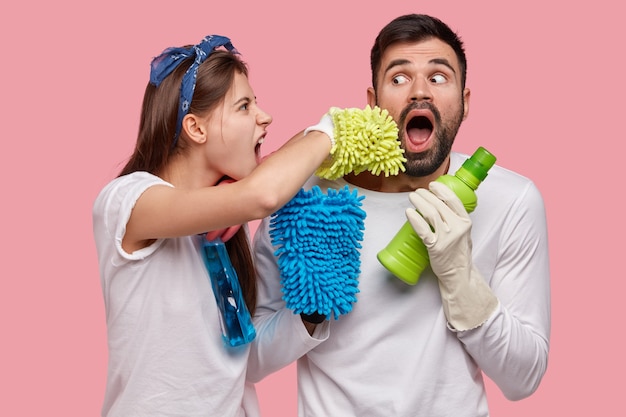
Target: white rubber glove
{"x": 445, "y": 228}
{"x": 325, "y": 125}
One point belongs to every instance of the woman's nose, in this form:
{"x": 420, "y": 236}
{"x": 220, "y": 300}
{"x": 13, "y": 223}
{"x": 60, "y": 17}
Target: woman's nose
{"x": 263, "y": 118}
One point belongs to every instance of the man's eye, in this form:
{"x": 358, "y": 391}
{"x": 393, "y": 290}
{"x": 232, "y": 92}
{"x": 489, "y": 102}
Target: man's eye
{"x": 438, "y": 79}
{"x": 399, "y": 79}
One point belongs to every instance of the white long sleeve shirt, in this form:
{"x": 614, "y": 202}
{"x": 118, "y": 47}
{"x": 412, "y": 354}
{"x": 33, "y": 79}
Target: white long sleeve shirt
{"x": 393, "y": 354}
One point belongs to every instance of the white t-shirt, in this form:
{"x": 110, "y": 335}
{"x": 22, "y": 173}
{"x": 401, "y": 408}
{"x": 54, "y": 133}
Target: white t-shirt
{"x": 166, "y": 354}
{"x": 393, "y": 354}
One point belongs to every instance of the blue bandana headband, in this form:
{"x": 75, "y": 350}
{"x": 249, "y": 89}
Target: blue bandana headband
{"x": 170, "y": 59}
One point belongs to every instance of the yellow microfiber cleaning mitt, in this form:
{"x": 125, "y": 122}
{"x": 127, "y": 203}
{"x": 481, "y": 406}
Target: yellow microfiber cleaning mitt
{"x": 365, "y": 140}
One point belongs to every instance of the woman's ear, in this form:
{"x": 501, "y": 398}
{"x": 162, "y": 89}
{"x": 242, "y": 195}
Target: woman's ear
{"x": 194, "y": 128}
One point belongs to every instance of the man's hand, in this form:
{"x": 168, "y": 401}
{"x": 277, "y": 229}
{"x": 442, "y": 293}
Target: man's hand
{"x": 444, "y": 226}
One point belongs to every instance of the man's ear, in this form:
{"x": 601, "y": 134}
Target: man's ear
{"x": 371, "y": 96}
{"x": 194, "y": 128}
{"x": 466, "y": 103}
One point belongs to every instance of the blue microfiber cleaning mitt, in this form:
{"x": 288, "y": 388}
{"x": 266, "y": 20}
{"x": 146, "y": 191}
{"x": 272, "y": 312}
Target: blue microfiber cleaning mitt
{"x": 318, "y": 237}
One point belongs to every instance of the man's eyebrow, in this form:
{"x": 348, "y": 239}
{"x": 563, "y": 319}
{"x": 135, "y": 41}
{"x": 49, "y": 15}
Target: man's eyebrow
{"x": 437, "y": 61}
{"x": 443, "y": 61}
{"x": 396, "y": 63}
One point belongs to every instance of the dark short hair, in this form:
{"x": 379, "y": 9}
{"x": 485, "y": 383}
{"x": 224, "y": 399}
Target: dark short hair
{"x": 412, "y": 28}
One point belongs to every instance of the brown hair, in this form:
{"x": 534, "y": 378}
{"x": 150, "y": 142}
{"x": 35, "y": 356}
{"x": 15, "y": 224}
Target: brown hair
{"x": 157, "y": 127}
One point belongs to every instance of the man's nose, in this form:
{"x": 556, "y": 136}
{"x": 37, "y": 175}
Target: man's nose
{"x": 420, "y": 90}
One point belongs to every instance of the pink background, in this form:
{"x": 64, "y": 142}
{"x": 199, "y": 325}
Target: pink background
{"x": 548, "y": 92}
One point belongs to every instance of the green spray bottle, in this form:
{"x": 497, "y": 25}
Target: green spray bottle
{"x": 406, "y": 255}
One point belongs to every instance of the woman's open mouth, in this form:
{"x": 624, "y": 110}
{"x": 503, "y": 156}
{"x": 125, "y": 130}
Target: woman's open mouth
{"x": 257, "y": 149}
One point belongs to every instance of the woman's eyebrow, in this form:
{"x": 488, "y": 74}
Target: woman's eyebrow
{"x": 244, "y": 99}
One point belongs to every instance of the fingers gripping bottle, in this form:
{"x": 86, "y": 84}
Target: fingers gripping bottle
{"x": 406, "y": 256}
{"x": 235, "y": 320}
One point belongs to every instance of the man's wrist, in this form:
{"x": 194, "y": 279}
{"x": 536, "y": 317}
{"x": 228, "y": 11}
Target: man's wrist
{"x": 315, "y": 318}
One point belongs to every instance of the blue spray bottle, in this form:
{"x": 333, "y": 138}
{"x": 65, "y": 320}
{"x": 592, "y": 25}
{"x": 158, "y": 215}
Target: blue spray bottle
{"x": 235, "y": 320}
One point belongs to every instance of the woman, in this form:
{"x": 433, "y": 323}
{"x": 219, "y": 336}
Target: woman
{"x": 200, "y": 126}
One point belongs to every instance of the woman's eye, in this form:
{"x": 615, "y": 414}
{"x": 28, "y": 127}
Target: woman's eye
{"x": 438, "y": 79}
{"x": 244, "y": 106}
{"x": 399, "y": 79}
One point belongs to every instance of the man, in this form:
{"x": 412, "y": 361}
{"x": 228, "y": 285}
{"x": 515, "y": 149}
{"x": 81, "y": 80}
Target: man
{"x": 483, "y": 305}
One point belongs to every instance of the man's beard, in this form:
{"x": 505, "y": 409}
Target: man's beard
{"x": 425, "y": 163}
